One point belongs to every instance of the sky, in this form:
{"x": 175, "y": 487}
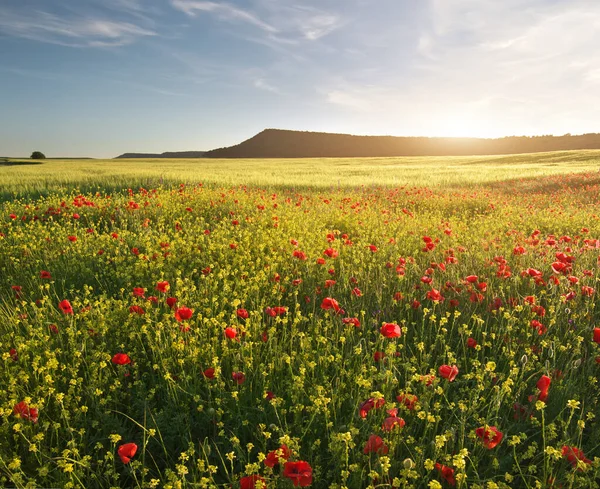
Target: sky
{"x": 102, "y": 77}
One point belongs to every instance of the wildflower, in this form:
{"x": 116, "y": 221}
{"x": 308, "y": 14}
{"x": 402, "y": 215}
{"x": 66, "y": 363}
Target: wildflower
{"x": 45, "y": 274}
{"x": 300, "y": 473}
{"x": 136, "y": 310}
{"x": 209, "y": 373}
{"x": 127, "y": 451}
{"x": 375, "y": 445}
{"x": 597, "y": 335}
{"x": 446, "y": 473}
{"x": 249, "y": 482}
{"x": 65, "y": 307}
{"x": 242, "y": 313}
{"x": 231, "y": 333}
{"x": 121, "y": 359}
{"x": 489, "y": 435}
{"x": 392, "y": 421}
{"x": 391, "y": 330}
{"x": 354, "y": 321}
{"x": 409, "y": 400}
{"x": 282, "y": 454}
{"x": 163, "y": 286}
{"x": 239, "y": 377}
{"x": 471, "y": 343}
{"x": 183, "y": 313}
{"x": 574, "y": 455}
{"x": 330, "y": 303}
{"x": 26, "y": 412}
{"x": 448, "y": 372}
{"x": 369, "y": 404}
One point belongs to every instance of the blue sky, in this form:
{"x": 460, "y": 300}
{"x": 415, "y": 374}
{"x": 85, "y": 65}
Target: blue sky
{"x": 101, "y": 77}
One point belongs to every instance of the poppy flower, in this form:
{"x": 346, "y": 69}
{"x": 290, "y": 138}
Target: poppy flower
{"x": 369, "y": 404}
{"x": 276, "y": 311}
{"x": 72, "y": 239}
{"x": 446, "y": 473}
{"x": 597, "y": 335}
{"x": 391, "y": 330}
{"x": 136, "y": 310}
{"x": 471, "y": 279}
{"x": 434, "y": 295}
{"x": 209, "y": 373}
{"x": 283, "y": 453}
{"x": 543, "y": 385}
{"x": 239, "y": 377}
{"x": 574, "y": 455}
{"x": 357, "y": 292}
{"x": 331, "y": 253}
{"x": 392, "y": 421}
{"x": 26, "y": 412}
{"x": 65, "y": 307}
{"x": 127, "y": 451}
{"x": 230, "y": 332}
{"x": 300, "y": 473}
{"x": 249, "y": 482}
{"x": 320, "y": 261}
{"x": 375, "y": 445}
{"x": 471, "y": 343}
{"x": 354, "y": 321}
{"x": 489, "y": 435}
{"x": 299, "y": 254}
{"x": 13, "y": 354}
{"x": 448, "y": 372}
{"x": 242, "y": 314}
{"x": 330, "y": 303}
{"x": 409, "y": 400}
{"x": 378, "y": 356}
{"x": 183, "y": 314}
{"x": 163, "y": 286}
{"x": 171, "y": 301}
{"x": 121, "y": 359}
{"x": 46, "y": 275}
{"x": 139, "y": 292}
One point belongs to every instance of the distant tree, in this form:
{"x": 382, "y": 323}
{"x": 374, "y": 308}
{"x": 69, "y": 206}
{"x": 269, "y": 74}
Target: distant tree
{"x": 38, "y": 155}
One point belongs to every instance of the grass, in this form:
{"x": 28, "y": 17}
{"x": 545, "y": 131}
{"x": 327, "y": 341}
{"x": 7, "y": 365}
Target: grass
{"x": 322, "y": 310}
{"x": 94, "y": 175}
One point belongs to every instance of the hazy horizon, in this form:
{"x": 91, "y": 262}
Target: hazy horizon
{"x": 99, "y": 78}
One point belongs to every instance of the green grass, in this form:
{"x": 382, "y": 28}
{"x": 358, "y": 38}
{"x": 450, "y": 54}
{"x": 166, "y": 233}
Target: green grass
{"x": 92, "y": 175}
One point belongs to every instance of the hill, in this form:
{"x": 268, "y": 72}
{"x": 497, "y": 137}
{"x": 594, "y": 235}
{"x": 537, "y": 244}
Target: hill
{"x": 277, "y": 143}
{"x": 171, "y": 154}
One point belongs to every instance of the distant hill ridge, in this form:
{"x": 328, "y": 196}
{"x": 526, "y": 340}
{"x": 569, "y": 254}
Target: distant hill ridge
{"x": 168, "y": 154}
{"x": 278, "y": 143}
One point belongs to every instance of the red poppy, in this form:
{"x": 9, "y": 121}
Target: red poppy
{"x": 72, "y": 239}
{"x": 136, "y": 310}
{"x": 330, "y": 303}
{"x": 45, "y": 274}
{"x": 283, "y": 453}
{"x": 239, "y": 377}
{"x": 249, "y": 482}
{"x": 139, "y": 292}
{"x": 121, "y": 359}
{"x": 171, "y": 301}
{"x": 331, "y": 253}
{"x": 446, "y": 473}
{"x": 471, "y": 343}
{"x": 183, "y": 314}
{"x": 539, "y": 327}
{"x": 65, "y": 307}
{"x": 378, "y": 356}
{"x": 448, "y": 372}
{"x": 163, "y": 286}
{"x": 597, "y": 335}
{"x": 574, "y": 455}
{"x": 369, "y": 404}
{"x": 375, "y": 445}
{"x": 300, "y": 473}
{"x": 13, "y": 354}
{"x": 391, "y": 330}
{"x": 299, "y": 254}
{"x": 373, "y": 248}
{"x": 489, "y": 435}
{"x": 26, "y": 412}
{"x": 242, "y": 314}
{"x": 276, "y": 311}
{"x": 434, "y": 295}
{"x": 409, "y": 400}
{"x": 127, "y": 451}
{"x": 354, "y": 321}
{"x": 320, "y": 261}
{"x": 392, "y": 421}
{"x": 230, "y": 332}
{"x": 471, "y": 279}
{"x": 357, "y": 292}
{"x": 209, "y": 373}
{"x": 543, "y": 385}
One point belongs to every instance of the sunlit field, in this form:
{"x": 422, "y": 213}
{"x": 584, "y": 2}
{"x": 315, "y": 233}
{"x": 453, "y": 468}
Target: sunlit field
{"x": 335, "y": 323}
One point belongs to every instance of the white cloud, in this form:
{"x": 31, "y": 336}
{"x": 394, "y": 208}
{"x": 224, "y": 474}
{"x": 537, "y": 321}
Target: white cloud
{"x": 224, "y": 11}
{"x": 73, "y": 31}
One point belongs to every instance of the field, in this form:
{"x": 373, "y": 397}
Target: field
{"x": 336, "y": 323}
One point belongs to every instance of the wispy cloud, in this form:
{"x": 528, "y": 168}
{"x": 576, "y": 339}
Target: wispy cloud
{"x": 75, "y": 31}
{"x": 223, "y": 11}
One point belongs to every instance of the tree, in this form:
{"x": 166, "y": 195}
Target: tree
{"x": 38, "y": 155}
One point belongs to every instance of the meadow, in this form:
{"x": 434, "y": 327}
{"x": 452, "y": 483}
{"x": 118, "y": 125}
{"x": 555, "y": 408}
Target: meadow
{"x": 335, "y": 323}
